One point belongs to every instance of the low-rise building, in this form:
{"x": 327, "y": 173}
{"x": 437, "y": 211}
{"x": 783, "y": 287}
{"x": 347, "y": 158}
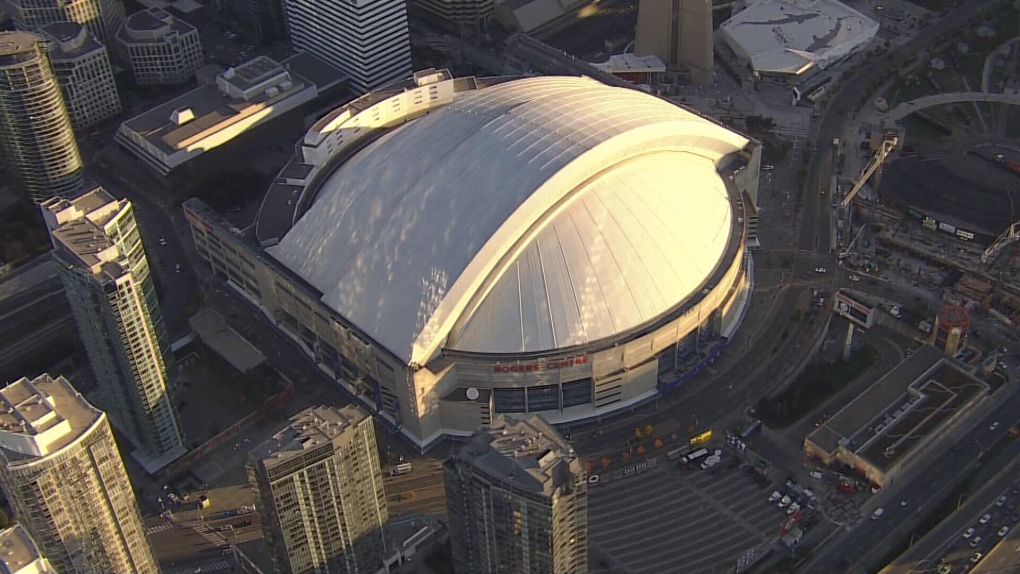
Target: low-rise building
{"x": 83, "y": 72}
{"x": 211, "y": 115}
{"x": 159, "y": 48}
{"x": 899, "y": 418}
{"x": 21, "y": 554}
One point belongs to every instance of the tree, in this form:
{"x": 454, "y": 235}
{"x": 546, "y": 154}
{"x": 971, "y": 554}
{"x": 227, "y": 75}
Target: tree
{"x": 659, "y": 443}
{"x": 649, "y": 430}
{"x": 641, "y": 450}
{"x": 606, "y": 462}
{"x": 638, "y": 434}
{"x": 588, "y": 466}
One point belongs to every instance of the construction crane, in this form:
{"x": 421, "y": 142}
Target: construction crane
{"x": 1011, "y": 235}
{"x": 874, "y": 164}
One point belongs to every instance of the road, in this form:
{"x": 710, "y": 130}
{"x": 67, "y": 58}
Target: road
{"x": 865, "y": 546}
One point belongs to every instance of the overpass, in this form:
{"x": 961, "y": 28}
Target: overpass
{"x": 906, "y": 108}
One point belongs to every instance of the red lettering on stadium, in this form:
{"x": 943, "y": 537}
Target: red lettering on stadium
{"x": 536, "y": 367}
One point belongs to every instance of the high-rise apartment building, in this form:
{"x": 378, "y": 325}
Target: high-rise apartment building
{"x": 679, "y": 32}
{"x": 83, "y": 72}
{"x": 160, "y": 48}
{"x": 366, "y": 39}
{"x": 464, "y": 17}
{"x": 102, "y": 262}
{"x": 37, "y": 141}
{"x": 101, "y": 17}
{"x": 318, "y": 488}
{"x": 21, "y": 554}
{"x": 60, "y": 468}
{"x": 517, "y": 500}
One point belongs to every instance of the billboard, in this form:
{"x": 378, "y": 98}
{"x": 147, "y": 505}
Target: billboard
{"x": 934, "y": 224}
{"x": 854, "y": 309}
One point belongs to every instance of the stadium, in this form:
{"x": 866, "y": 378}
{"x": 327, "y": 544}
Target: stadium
{"x": 454, "y": 249}
{"x": 789, "y": 41}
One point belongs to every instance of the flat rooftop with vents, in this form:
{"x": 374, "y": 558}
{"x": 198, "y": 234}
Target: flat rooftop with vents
{"x": 39, "y": 417}
{"x": 308, "y": 429}
{"x": 19, "y": 553}
{"x": 891, "y": 423}
{"x": 239, "y": 99}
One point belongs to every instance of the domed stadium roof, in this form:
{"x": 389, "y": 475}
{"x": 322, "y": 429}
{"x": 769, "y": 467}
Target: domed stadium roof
{"x": 529, "y": 216}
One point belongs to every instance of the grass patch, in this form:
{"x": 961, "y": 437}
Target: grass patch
{"x": 813, "y": 387}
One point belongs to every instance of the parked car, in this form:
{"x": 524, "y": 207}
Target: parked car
{"x": 985, "y": 519}
{"x": 968, "y": 533}
{"x": 816, "y": 475}
{"x": 1003, "y": 532}
{"x": 994, "y": 427}
{"x": 975, "y": 541}
{"x": 976, "y": 558}
{"x": 877, "y": 514}
{"x": 1002, "y": 500}
{"x": 775, "y": 496}
{"x": 819, "y": 269}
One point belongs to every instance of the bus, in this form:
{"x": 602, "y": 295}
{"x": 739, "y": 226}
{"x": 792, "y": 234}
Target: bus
{"x": 402, "y": 468}
{"x": 698, "y": 454}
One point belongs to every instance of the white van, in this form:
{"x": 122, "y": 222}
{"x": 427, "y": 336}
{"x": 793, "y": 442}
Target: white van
{"x": 877, "y": 514}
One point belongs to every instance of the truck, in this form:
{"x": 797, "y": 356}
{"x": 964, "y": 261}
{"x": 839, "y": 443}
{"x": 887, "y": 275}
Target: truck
{"x": 402, "y": 468}
{"x": 676, "y": 453}
{"x": 835, "y": 142}
{"x": 696, "y": 455}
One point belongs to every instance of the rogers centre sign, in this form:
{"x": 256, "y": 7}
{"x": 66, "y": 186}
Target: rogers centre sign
{"x": 546, "y": 366}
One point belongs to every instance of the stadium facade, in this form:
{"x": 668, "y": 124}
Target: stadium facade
{"x": 455, "y": 249}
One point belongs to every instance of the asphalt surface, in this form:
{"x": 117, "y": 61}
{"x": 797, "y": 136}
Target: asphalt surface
{"x": 869, "y": 543}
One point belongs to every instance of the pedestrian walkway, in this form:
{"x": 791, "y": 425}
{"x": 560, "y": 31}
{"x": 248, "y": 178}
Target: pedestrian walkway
{"x": 204, "y": 568}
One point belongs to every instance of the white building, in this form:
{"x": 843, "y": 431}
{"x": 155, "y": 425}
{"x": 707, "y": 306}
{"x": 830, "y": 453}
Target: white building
{"x": 454, "y": 249}
{"x": 366, "y": 39}
{"x": 160, "y": 48}
{"x": 788, "y": 39}
{"x": 209, "y": 116}
{"x": 83, "y": 71}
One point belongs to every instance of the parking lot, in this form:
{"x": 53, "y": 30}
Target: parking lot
{"x": 705, "y": 520}
{"x": 986, "y": 530}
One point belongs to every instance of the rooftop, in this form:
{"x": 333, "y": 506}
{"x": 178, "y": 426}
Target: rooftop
{"x": 19, "y": 553}
{"x": 214, "y": 332}
{"x": 789, "y": 36}
{"x": 151, "y": 24}
{"x": 900, "y": 409}
{"x": 68, "y": 40}
{"x": 573, "y": 229}
{"x": 528, "y": 454}
{"x": 622, "y": 63}
{"x": 190, "y": 119}
{"x": 308, "y": 429}
{"x": 41, "y": 416}
{"x": 77, "y": 225}
{"x": 12, "y": 43}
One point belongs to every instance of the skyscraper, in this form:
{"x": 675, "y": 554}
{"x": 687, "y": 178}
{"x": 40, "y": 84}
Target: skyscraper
{"x": 21, "y": 553}
{"x": 679, "y": 32}
{"x": 367, "y": 39}
{"x": 517, "y": 500}
{"x": 60, "y": 468}
{"x": 101, "y": 17}
{"x": 83, "y": 72}
{"x": 106, "y": 277}
{"x": 37, "y": 144}
{"x": 318, "y": 488}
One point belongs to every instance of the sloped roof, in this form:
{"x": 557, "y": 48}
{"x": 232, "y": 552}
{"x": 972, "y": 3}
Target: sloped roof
{"x": 527, "y": 216}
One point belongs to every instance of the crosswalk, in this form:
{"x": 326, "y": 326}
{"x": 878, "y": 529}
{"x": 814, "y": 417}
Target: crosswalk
{"x": 158, "y": 528}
